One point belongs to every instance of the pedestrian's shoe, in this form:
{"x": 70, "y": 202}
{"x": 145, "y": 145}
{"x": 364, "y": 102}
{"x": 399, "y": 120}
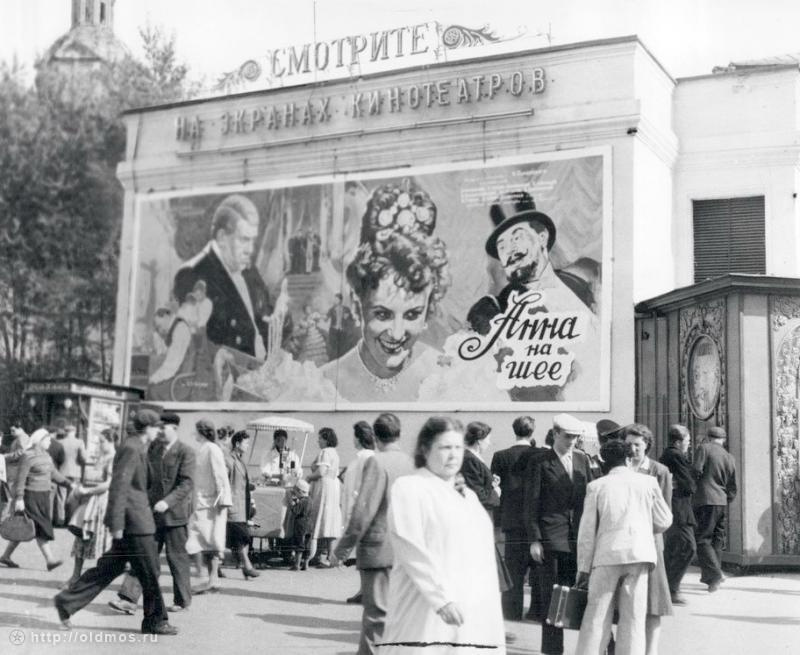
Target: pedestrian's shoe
{"x": 176, "y": 608}
{"x": 123, "y": 606}
{"x": 354, "y": 600}
{"x": 54, "y": 565}
{"x": 304, "y": 565}
{"x": 220, "y": 573}
{"x": 63, "y": 615}
{"x": 314, "y": 561}
{"x": 677, "y": 598}
{"x": 714, "y": 585}
{"x": 163, "y": 628}
{"x": 8, "y": 563}
{"x": 296, "y": 566}
{"x": 250, "y": 573}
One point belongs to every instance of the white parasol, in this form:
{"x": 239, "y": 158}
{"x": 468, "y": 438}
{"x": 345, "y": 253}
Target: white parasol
{"x": 277, "y": 422}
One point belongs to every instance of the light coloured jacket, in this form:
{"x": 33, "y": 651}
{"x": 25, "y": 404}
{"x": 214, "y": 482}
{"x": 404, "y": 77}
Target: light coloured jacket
{"x": 211, "y": 485}
{"x": 621, "y": 513}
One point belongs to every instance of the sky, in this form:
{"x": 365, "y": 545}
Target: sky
{"x": 688, "y": 37}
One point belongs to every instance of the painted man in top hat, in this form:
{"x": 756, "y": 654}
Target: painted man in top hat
{"x": 521, "y": 241}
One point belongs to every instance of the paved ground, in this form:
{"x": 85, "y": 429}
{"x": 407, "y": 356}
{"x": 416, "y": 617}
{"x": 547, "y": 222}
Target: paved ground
{"x": 304, "y": 613}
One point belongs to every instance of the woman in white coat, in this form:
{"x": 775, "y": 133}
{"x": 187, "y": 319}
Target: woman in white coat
{"x": 444, "y": 595}
{"x": 212, "y": 498}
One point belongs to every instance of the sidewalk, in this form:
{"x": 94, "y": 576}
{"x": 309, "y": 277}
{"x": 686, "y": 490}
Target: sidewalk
{"x": 300, "y": 613}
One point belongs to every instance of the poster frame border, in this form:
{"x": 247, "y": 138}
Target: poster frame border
{"x": 601, "y": 405}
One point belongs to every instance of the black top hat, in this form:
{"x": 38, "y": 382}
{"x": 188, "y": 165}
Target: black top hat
{"x": 515, "y": 207}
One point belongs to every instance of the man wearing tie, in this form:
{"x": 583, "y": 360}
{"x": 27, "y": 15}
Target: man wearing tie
{"x": 555, "y": 488}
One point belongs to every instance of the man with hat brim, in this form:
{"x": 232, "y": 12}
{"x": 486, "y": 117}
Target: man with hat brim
{"x": 715, "y": 469}
{"x": 171, "y": 463}
{"x": 130, "y": 520}
{"x": 555, "y": 488}
{"x": 521, "y": 241}
{"x": 607, "y": 430}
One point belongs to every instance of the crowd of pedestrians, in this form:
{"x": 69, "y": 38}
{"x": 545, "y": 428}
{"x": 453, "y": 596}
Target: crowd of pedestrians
{"x": 444, "y": 542}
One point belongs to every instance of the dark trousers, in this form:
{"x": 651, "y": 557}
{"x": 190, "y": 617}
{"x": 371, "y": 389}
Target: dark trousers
{"x": 516, "y": 554}
{"x": 710, "y": 536}
{"x": 141, "y": 552}
{"x": 679, "y": 549}
{"x": 174, "y": 538}
{"x": 374, "y": 598}
{"x": 557, "y": 568}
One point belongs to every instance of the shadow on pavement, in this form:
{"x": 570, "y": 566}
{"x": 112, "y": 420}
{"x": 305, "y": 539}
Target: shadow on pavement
{"x": 265, "y": 595}
{"x": 342, "y": 637}
{"x": 305, "y": 621}
{"x": 10, "y": 620}
{"x": 775, "y": 620}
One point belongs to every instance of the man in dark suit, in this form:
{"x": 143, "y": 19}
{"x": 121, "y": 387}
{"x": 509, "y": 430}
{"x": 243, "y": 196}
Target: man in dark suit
{"x": 240, "y": 301}
{"x": 341, "y": 327}
{"x": 171, "y": 466}
{"x": 512, "y": 520}
{"x": 130, "y": 520}
{"x": 368, "y": 529}
{"x": 679, "y": 543}
{"x": 555, "y": 488}
{"x": 715, "y": 470}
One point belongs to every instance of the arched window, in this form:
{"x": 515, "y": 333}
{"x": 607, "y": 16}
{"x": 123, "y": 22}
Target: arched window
{"x": 102, "y": 13}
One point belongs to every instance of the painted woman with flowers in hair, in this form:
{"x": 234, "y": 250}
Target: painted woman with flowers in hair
{"x": 397, "y": 276}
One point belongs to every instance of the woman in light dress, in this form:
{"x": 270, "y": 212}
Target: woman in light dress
{"x": 92, "y": 537}
{"x": 443, "y": 593}
{"x": 212, "y": 498}
{"x": 325, "y": 494}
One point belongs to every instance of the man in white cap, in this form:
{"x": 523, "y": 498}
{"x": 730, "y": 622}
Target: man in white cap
{"x": 555, "y": 488}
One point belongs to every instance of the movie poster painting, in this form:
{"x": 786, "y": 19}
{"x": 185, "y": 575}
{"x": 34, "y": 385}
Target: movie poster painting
{"x": 438, "y": 288}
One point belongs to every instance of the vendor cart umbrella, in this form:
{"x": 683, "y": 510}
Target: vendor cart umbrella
{"x": 277, "y": 422}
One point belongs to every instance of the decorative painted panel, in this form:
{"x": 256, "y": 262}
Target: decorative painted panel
{"x": 785, "y": 324}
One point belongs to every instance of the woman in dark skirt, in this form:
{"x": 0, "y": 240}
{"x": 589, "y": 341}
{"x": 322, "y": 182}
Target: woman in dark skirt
{"x": 35, "y": 476}
{"x": 237, "y": 534}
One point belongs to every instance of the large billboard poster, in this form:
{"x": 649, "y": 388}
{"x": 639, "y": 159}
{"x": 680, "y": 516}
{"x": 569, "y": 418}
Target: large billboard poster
{"x": 462, "y": 286}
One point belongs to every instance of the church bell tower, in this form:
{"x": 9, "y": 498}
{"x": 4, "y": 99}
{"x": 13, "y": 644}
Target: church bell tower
{"x": 95, "y": 13}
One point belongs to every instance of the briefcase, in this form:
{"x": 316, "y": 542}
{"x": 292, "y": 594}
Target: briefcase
{"x": 567, "y": 605}
{"x": 18, "y": 527}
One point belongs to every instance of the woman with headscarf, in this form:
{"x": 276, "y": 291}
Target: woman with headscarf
{"x": 212, "y": 498}
{"x": 35, "y": 476}
{"x": 444, "y": 589}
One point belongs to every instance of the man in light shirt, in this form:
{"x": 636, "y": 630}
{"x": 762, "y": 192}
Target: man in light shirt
{"x": 622, "y": 511}
{"x": 280, "y": 460}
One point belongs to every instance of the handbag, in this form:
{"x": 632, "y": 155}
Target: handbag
{"x": 567, "y": 606}
{"x": 18, "y": 527}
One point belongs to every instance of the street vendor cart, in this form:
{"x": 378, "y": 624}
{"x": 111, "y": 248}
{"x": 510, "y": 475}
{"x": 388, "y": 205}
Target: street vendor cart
{"x": 269, "y": 495}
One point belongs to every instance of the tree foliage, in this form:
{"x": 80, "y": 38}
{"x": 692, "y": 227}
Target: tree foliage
{"x": 61, "y": 210}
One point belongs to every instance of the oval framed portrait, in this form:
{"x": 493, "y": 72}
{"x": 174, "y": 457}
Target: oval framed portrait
{"x": 703, "y": 376}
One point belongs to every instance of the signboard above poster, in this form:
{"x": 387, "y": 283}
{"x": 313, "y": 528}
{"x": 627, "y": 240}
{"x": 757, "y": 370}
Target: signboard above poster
{"x": 355, "y": 55}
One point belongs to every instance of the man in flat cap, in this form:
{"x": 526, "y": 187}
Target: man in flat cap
{"x": 130, "y": 521}
{"x": 171, "y": 466}
{"x": 555, "y": 488}
{"x": 715, "y": 470}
